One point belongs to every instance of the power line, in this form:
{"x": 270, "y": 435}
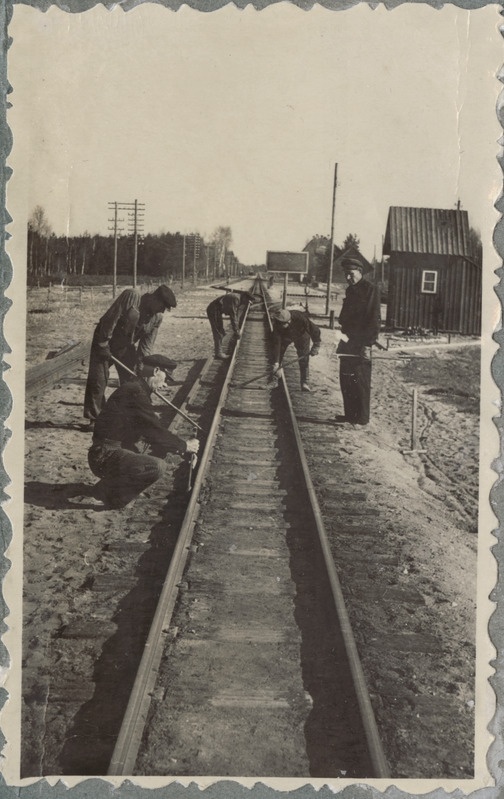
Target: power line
{"x": 135, "y": 212}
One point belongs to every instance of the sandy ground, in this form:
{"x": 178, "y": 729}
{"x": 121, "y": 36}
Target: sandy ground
{"x": 427, "y": 502}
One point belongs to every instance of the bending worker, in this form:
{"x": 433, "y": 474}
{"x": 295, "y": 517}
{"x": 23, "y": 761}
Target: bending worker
{"x": 297, "y": 328}
{"x": 127, "y": 331}
{"x": 232, "y": 304}
{"x": 360, "y": 326}
{"x": 127, "y": 417}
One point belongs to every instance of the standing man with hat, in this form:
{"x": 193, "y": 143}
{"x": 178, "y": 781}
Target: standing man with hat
{"x": 127, "y": 417}
{"x": 295, "y": 327}
{"x": 231, "y": 304}
{"x": 126, "y": 331}
{"x": 360, "y": 326}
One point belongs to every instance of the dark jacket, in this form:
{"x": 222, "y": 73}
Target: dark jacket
{"x": 128, "y": 416}
{"x": 360, "y": 314}
{"x": 300, "y": 325}
{"x": 227, "y": 305}
{"x": 127, "y": 322}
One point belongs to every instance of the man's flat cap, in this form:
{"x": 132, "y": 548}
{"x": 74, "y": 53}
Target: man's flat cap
{"x": 246, "y": 296}
{"x": 166, "y": 295}
{"x": 283, "y": 315}
{"x": 352, "y": 263}
{"x": 161, "y": 362}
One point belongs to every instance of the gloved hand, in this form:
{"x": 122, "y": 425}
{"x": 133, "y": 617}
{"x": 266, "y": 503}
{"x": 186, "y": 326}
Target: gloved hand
{"x": 104, "y": 352}
{"x": 315, "y": 349}
{"x": 238, "y": 335}
{"x": 192, "y": 445}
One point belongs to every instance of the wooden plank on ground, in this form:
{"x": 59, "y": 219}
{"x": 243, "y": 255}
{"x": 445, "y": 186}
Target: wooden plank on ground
{"x": 45, "y": 374}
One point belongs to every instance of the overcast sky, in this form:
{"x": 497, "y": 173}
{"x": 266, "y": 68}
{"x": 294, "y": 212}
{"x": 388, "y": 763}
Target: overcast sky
{"x": 238, "y": 117}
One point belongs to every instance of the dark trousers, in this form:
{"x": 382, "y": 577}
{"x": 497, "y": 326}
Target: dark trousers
{"x": 355, "y": 382}
{"x": 98, "y": 376}
{"x": 123, "y": 474}
{"x": 302, "y": 345}
{"x": 214, "y": 314}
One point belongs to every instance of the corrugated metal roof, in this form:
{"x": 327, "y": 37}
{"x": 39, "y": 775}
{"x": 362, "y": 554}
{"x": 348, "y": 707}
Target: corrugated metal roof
{"x": 427, "y": 230}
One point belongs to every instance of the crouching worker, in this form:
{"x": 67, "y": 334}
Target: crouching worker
{"x": 126, "y": 331}
{"x": 127, "y": 417}
{"x": 232, "y": 304}
{"x": 297, "y": 328}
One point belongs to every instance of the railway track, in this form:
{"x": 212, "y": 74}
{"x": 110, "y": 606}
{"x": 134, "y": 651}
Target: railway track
{"x": 247, "y": 678}
{"x": 250, "y": 666}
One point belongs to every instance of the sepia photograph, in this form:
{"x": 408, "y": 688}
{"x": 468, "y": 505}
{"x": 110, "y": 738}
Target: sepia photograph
{"x": 253, "y": 306}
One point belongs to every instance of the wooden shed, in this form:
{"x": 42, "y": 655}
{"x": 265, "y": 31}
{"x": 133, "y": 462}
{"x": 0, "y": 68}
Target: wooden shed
{"x": 316, "y": 249}
{"x": 434, "y": 281}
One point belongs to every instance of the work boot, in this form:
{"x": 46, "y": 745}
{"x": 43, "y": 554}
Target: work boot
{"x": 222, "y": 356}
{"x": 305, "y": 387}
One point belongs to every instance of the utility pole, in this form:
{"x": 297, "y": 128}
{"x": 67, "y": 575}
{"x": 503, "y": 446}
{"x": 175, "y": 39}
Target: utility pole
{"x": 329, "y": 277}
{"x": 116, "y": 230}
{"x": 196, "y": 248}
{"x": 136, "y": 222}
{"x": 135, "y": 211}
{"x": 183, "y": 260}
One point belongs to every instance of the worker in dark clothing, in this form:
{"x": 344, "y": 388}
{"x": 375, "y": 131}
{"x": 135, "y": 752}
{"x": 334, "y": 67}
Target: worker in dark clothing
{"x": 127, "y": 331}
{"x": 127, "y": 417}
{"x": 232, "y": 304}
{"x": 360, "y": 326}
{"x": 295, "y": 327}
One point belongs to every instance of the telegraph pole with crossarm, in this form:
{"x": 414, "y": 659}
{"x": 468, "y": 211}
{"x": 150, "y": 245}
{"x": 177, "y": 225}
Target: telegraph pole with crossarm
{"x": 116, "y": 230}
{"x": 135, "y": 211}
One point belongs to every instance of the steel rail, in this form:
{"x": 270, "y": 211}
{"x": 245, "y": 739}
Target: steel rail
{"x": 130, "y": 735}
{"x": 375, "y": 748}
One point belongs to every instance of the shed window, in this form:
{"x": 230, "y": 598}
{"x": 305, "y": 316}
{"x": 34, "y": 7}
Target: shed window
{"x": 429, "y": 282}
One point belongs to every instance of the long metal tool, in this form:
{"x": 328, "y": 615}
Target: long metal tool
{"x": 265, "y": 374}
{"x": 338, "y": 355}
{"x": 131, "y": 372}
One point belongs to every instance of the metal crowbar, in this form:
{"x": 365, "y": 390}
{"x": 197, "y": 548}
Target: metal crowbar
{"x": 184, "y": 415}
{"x": 265, "y": 374}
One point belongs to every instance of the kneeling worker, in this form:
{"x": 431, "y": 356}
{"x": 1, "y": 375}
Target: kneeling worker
{"x": 232, "y": 304}
{"x": 127, "y": 417}
{"x": 297, "y": 328}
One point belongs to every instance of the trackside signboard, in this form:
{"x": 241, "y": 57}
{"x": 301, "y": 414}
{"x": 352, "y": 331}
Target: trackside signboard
{"x": 283, "y": 261}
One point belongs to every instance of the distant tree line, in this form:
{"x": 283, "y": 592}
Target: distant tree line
{"x": 83, "y": 258}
